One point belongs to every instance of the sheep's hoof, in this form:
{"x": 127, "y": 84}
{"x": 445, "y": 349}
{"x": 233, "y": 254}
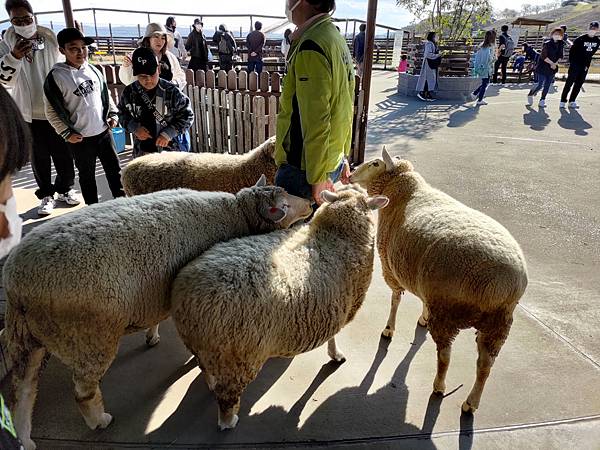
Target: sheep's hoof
{"x": 422, "y": 322}
{"x": 104, "y": 421}
{"x": 28, "y": 444}
{"x": 387, "y": 333}
{"x": 439, "y": 387}
{"x": 338, "y": 357}
{"x": 467, "y": 408}
{"x": 151, "y": 341}
{"x": 228, "y": 425}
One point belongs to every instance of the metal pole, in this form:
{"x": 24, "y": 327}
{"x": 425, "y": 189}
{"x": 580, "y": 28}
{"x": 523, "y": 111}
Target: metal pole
{"x": 95, "y": 23}
{"x": 149, "y": 21}
{"x": 367, "y": 73}
{"x": 354, "y": 31}
{"x": 387, "y": 43}
{"x": 51, "y": 26}
{"x": 70, "y": 22}
{"x": 251, "y": 23}
{"x": 346, "y": 31}
{"x": 139, "y": 30}
{"x": 112, "y": 44}
{"x": 241, "y": 31}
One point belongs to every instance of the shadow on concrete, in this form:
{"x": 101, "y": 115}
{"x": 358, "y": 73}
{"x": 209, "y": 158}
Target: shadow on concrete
{"x": 536, "y": 120}
{"x": 571, "y": 119}
{"x": 462, "y": 116}
{"x": 465, "y": 438}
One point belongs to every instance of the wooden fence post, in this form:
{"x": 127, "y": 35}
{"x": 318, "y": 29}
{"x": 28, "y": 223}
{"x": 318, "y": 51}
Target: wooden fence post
{"x": 112, "y": 43}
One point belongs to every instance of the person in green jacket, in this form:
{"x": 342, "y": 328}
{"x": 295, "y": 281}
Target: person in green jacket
{"x": 314, "y": 125}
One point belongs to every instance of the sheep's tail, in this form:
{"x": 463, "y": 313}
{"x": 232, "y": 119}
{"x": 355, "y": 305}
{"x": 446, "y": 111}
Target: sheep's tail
{"x": 15, "y": 339}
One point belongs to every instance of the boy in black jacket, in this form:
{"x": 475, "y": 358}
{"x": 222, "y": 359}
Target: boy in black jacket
{"x": 580, "y": 58}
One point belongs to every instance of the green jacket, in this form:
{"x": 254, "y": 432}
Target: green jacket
{"x": 314, "y": 125}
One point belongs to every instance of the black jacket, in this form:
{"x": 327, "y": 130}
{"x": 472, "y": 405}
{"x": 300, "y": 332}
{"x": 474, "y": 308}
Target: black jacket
{"x": 227, "y": 35}
{"x": 197, "y": 46}
{"x": 583, "y": 50}
{"x": 554, "y": 50}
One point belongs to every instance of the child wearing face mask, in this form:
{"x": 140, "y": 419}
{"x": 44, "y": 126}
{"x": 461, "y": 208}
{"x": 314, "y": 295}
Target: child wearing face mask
{"x": 552, "y": 52}
{"x": 198, "y": 48}
{"x": 580, "y": 58}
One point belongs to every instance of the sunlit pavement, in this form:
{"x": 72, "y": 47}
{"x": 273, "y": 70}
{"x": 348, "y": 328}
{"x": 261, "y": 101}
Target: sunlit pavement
{"x": 536, "y": 171}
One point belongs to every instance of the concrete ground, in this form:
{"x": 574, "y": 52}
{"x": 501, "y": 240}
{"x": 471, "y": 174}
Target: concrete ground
{"x": 536, "y": 171}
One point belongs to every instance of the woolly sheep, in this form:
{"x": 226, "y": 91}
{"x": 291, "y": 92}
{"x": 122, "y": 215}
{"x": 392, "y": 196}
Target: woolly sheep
{"x": 75, "y": 285}
{"x": 199, "y": 171}
{"x": 465, "y": 267}
{"x": 279, "y": 294}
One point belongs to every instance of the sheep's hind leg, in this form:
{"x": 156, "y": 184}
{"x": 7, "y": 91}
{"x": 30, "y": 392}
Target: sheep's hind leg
{"x": 89, "y": 401}
{"x": 424, "y": 316}
{"x": 388, "y": 332}
{"x": 152, "y": 336}
{"x": 333, "y": 352}
{"x": 443, "y": 333}
{"x": 26, "y": 374}
{"x": 229, "y": 387}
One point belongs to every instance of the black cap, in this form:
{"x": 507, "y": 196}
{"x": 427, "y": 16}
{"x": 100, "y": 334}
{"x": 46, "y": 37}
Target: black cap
{"x": 144, "y": 62}
{"x": 72, "y": 34}
{"x": 594, "y": 25}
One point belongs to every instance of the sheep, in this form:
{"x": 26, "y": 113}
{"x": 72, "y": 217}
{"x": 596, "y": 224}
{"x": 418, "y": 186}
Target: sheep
{"x": 275, "y": 295}
{"x": 199, "y": 171}
{"x": 77, "y": 284}
{"x": 465, "y": 267}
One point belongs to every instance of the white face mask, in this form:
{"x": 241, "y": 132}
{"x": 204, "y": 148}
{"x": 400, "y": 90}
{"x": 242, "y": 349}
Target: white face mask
{"x": 289, "y": 11}
{"x": 198, "y": 28}
{"x": 592, "y": 33}
{"x": 556, "y": 37}
{"x": 15, "y": 224}
{"x": 28, "y": 31}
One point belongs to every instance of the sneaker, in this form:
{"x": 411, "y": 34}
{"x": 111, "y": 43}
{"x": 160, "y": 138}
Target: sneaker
{"x": 70, "y": 198}
{"x": 573, "y": 105}
{"x": 562, "y": 105}
{"x": 481, "y": 103}
{"x": 530, "y": 100}
{"x": 542, "y": 103}
{"x": 46, "y": 207}
{"x": 421, "y": 97}
{"x": 473, "y": 96}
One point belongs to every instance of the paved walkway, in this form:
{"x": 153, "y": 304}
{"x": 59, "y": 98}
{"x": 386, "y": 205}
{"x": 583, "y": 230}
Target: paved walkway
{"x": 536, "y": 172}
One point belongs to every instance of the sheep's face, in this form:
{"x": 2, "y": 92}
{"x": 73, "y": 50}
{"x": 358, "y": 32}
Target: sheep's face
{"x": 372, "y": 174}
{"x": 352, "y": 198}
{"x": 367, "y": 172}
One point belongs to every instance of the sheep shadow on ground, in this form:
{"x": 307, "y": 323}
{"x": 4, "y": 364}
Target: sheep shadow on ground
{"x": 571, "y": 119}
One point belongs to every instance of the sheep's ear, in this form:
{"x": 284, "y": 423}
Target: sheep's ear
{"x": 262, "y": 181}
{"x": 275, "y": 214}
{"x": 375, "y": 203}
{"x": 387, "y": 159}
{"x": 329, "y": 196}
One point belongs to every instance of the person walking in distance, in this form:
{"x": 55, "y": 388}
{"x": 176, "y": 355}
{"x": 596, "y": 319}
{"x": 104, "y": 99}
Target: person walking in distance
{"x": 580, "y": 58}
{"x": 314, "y": 124}
{"x": 286, "y": 43}
{"x": 178, "y": 45}
{"x": 506, "y": 48}
{"x": 428, "y": 78}
{"x": 197, "y": 46}
{"x": 226, "y": 46}
{"x": 81, "y": 110}
{"x": 552, "y": 52}
{"x": 358, "y": 49}
{"x": 255, "y": 42}
{"x": 482, "y": 66}
{"x": 27, "y": 54}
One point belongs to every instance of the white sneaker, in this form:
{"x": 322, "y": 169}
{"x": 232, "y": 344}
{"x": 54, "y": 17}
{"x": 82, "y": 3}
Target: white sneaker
{"x": 542, "y": 103}
{"x": 421, "y": 97}
{"x": 562, "y": 105}
{"x": 573, "y": 105}
{"x": 70, "y": 198}
{"x": 481, "y": 103}
{"x": 46, "y": 207}
{"x": 530, "y": 100}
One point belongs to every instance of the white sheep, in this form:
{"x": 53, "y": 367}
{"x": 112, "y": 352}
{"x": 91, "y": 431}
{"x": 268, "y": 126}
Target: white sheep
{"x": 279, "y": 294}
{"x": 199, "y": 171}
{"x": 77, "y": 284}
{"x": 465, "y": 267}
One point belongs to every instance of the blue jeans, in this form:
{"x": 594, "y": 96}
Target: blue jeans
{"x": 255, "y": 66}
{"x": 545, "y": 81}
{"x": 480, "y": 91}
{"x": 293, "y": 180}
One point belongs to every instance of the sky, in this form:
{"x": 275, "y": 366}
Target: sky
{"x": 387, "y": 12}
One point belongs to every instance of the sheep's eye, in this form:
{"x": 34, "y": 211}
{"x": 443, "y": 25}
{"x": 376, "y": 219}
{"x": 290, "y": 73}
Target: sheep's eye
{"x": 376, "y": 164}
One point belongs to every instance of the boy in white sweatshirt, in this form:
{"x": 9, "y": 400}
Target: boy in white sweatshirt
{"x": 80, "y": 109}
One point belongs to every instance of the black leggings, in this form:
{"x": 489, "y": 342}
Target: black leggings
{"x": 575, "y": 79}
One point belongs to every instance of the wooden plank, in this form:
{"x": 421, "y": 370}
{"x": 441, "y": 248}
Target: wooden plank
{"x": 239, "y": 123}
{"x": 205, "y": 127}
{"x": 211, "y": 120}
{"x": 232, "y": 123}
{"x": 264, "y": 81}
{"x": 253, "y": 81}
{"x": 189, "y": 76}
{"x": 200, "y": 78}
{"x": 217, "y": 114}
{"x": 272, "y": 115}
{"x": 232, "y": 84}
{"x": 111, "y": 77}
{"x": 243, "y": 80}
{"x": 222, "y": 79}
{"x": 247, "y": 115}
{"x": 210, "y": 79}
{"x": 275, "y": 82}
{"x": 261, "y": 121}
{"x": 224, "y": 123}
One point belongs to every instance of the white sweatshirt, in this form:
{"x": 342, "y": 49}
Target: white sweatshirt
{"x": 81, "y": 91}
{"x": 126, "y": 73}
{"x": 25, "y": 80}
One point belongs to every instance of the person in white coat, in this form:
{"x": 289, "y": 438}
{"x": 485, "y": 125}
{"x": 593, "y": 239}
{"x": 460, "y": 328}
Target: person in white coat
{"x": 178, "y": 48}
{"x": 158, "y": 40}
{"x": 428, "y": 78}
{"x": 27, "y": 54}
